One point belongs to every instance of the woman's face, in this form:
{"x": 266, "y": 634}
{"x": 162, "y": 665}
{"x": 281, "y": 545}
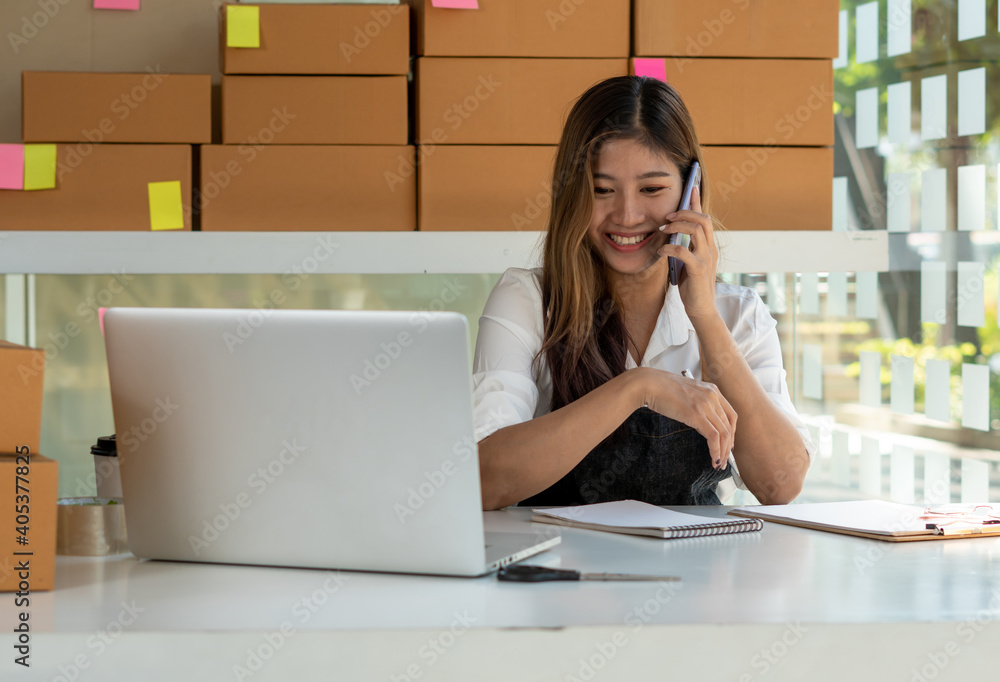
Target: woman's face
{"x": 634, "y": 189}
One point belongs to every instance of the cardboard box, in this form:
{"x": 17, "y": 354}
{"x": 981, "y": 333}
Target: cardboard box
{"x": 116, "y": 107}
{"x": 34, "y": 520}
{"x": 770, "y": 188}
{"x": 525, "y": 28}
{"x": 301, "y": 187}
{"x": 325, "y": 39}
{"x": 757, "y": 101}
{"x": 736, "y": 28}
{"x": 319, "y": 2}
{"x": 314, "y": 109}
{"x": 502, "y": 101}
{"x": 100, "y": 187}
{"x": 485, "y": 187}
{"x": 21, "y": 375}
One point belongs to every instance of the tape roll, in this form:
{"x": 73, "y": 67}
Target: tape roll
{"x": 89, "y": 526}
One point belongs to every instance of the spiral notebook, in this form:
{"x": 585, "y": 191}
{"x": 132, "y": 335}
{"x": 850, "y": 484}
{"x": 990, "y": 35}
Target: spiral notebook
{"x": 639, "y": 518}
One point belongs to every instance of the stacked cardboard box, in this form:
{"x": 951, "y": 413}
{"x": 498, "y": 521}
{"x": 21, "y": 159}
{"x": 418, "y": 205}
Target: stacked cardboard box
{"x": 494, "y": 86}
{"x": 758, "y": 80}
{"x": 316, "y": 129}
{"x": 108, "y": 151}
{"x": 28, "y": 480}
{"x": 315, "y": 122}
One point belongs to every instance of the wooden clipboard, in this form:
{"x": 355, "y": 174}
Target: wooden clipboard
{"x": 871, "y": 519}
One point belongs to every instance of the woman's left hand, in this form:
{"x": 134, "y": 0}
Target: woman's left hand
{"x": 697, "y": 282}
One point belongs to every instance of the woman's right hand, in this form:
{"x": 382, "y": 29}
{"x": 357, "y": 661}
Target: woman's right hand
{"x": 699, "y": 404}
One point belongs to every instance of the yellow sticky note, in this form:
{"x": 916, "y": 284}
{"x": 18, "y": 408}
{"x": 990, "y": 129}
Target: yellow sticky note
{"x": 39, "y": 166}
{"x": 242, "y": 26}
{"x": 165, "y": 206}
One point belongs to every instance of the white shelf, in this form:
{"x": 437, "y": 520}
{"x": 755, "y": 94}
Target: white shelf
{"x": 79, "y": 253}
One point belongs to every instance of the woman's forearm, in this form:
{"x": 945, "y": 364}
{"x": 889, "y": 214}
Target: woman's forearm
{"x": 769, "y": 451}
{"x": 524, "y": 459}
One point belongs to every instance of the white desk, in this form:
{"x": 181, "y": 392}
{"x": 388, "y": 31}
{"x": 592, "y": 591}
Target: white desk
{"x": 779, "y": 604}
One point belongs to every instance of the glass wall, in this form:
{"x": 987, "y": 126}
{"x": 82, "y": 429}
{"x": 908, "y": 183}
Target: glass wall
{"x": 77, "y": 403}
{"x": 899, "y": 369}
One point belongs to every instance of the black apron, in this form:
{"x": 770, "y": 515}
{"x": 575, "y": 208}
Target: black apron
{"x": 662, "y": 462}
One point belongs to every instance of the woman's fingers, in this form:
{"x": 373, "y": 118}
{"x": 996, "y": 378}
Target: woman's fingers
{"x": 708, "y": 423}
{"x": 696, "y": 224}
{"x": 728, "y": 416}
{"x": 731, "y": 415}
{"x": 685, "y": 223}
{"x": 696, "y": 206}
{"x": 681, "y": 253}
{"x": 712, "y": 436}
{"x": 696, "y": 199}
{"x": 721, "y": 417}
{"x": 725, "y": 437}
{"x": 700, "y": 405}
{"x": 702, "y": 254}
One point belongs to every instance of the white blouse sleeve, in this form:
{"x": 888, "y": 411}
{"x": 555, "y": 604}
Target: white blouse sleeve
{"x": 762, "y": 351}
{"x": 504, "y": 385}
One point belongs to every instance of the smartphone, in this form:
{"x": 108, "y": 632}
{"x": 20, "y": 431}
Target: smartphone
{"x": 676, "y": 265}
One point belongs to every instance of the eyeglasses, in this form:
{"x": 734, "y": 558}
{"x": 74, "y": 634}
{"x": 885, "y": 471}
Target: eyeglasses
{"x": 979, "y": 514}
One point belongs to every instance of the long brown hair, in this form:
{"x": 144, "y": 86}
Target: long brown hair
{"x": 586, "y": 340}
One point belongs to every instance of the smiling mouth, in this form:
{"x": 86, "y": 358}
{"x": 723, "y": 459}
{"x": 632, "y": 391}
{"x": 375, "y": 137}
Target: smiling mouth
{"x": 629, "y": 241}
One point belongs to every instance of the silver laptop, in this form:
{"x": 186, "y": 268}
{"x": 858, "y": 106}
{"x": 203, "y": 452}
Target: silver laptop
{"x": 320, "y": 439}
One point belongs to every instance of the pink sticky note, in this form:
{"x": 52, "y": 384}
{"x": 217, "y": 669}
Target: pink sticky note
{"x": 11, "y": 166}
{"x": 654, "y": 68}
{"x": 100, "y": 318}
{"x": 456, "y": 4}
{"x": 116, "y": 4}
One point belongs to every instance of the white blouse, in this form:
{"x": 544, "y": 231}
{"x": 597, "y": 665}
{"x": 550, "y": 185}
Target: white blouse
{"x": 507, "y": 391}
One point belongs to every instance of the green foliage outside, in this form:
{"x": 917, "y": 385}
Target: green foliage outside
{"x": 929, "y": 347}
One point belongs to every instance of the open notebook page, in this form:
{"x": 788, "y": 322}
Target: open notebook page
{"x": 628, "y": 514}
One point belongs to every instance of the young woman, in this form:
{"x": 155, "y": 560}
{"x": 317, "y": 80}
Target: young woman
{"x": 594, "y": 378}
